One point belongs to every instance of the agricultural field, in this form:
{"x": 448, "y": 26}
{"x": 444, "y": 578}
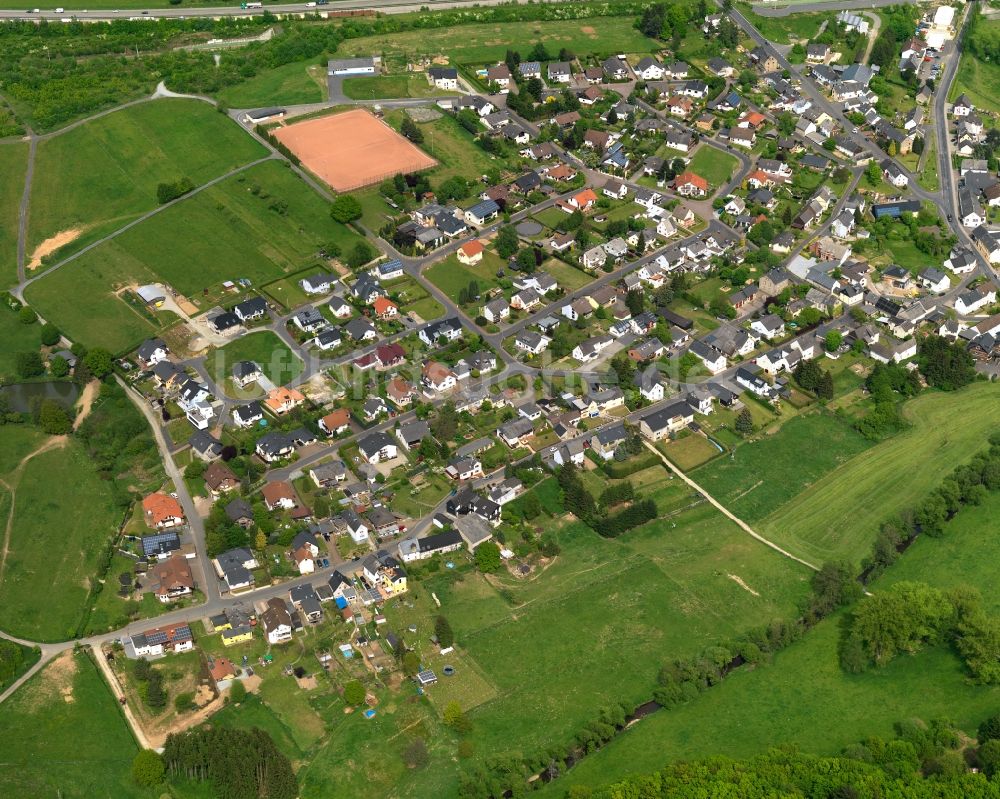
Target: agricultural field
{"x": 769, "y": 470}
{"x": 839, "y": 516}
{"x": 791, "y": 699}
{"x": 56, "y": 537}
{"x": 297, "y": 83}
{"x": 71, "y": 740}
{"x": 273, "y": 356}
{"x": 101, "y": 175}
{"x": 714, "y": 165}
{"x": 790, "y": 29}
{"x": 13, "y": 163}
{"x": 484, "y": 43}
{"x": 259, "y": 225}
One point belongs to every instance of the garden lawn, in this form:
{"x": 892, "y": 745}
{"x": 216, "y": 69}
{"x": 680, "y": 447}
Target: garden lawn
{"x": 268, "y": 351}
{"x": 451, "y": 277}
{"x": 55, "y": 541}
{"x": 713, "y": 165}
{"x": 769, "y": 470}
{"x": 103, "y": 174}
{"x": 839, "y": 516}
{"x": 290, "y": 84}
{"x": 254, "y": 713}
{"x": 480, "y": 44}
{"x": 13, "y": 164}
{"x": 259, "y": 225}
{"x": 71, "y": 740}
{"x": 568, "y": 277}
{"x": 388, "y": 87}
{"x": 690, "y": 451}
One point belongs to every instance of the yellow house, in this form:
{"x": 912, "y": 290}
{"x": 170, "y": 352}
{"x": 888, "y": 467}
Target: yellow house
{"x": 238, "y": 636}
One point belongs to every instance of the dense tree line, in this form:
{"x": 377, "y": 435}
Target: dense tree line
{"x": 887, "y": 384}
{"x": 119, "y": 443}
{"x": 876, "y": 769}
{"x": 908, "y": 616}
{"x": 811, "y": 377}
{"x": 945, "y": 364}
{"x": 240, "y": 764}
{"x": 12, "y": 659}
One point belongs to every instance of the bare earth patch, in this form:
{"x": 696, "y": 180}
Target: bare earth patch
{"x": 59, "y": 677}
{"x": 53, "y": 243}
{"x": 739, "y": 581}
{"x": 86, "y": 402}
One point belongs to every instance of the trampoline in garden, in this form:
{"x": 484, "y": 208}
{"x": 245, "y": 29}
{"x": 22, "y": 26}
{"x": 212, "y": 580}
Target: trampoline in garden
{"x": 448, "y": 671}
{"x": 528, "y": 228}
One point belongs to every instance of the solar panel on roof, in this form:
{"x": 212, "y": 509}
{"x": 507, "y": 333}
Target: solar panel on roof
{"x": 154, "y": 637}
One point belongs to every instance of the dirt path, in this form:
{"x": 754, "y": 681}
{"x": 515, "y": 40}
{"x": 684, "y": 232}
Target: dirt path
{"x": 86, "y": 402}
{"x": 54, "y": 442}
{"x": 724, "y": 511}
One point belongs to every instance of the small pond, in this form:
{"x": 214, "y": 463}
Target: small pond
{"x": 21, "y": 395}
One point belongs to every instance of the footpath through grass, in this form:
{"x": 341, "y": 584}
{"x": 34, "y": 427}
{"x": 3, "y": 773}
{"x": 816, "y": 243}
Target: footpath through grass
{"x": 102, "y": 174}
{"x": 839, "y": 516}
{"x": 66, "y": 737}
{"x": 767, "y": 471}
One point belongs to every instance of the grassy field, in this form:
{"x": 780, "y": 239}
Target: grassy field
{"x": 16, "y": 338}
{"x": 388, "y": 87}
{"x": 13, "y": 163}
{"x": 297, "y": 83}
{"x": 785, "y": 30}
{"x": 769, "y": 470}
{"x": 713, "y": 165}
{"x": 660, "y": 591}
{"x": 975, "y": 77}
{"x": 71, "y": 738}
{"x": 258, "y": 225}
{"x": 479, "y": 44}
{"x": 793, "y": 699}
{"x": 55, "y": 540}
{"x": 273, "y": 356}
{"x": 103, "y": 174}
{"x": 839, "y": 516}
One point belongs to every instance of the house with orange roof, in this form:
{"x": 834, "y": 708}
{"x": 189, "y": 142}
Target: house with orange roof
{"x": 222, "y": 669}
{"x": 470, "y": 253}
{"x": 751, "y": 119}
{"x": 335, "y": 422}
{"x": 583, "y": 201}
{"x": 162, "y": 511}
{"x": 690, "y": 184}
{"x": 385, "y": 308}
{"x": 282, "y": 400}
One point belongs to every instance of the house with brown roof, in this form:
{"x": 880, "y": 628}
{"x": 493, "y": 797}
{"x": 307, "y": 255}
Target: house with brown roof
{"x": 400, "y": 392}
{"x": 162, "y": 511}
{"x": 279, "y": 494}
{"x": 438, "y": 377}
{"x": 336, "y": 422}
{"x": 221, "y": 669}
{"x": 171, "y": 579}
{"x": 220, "y": 479}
